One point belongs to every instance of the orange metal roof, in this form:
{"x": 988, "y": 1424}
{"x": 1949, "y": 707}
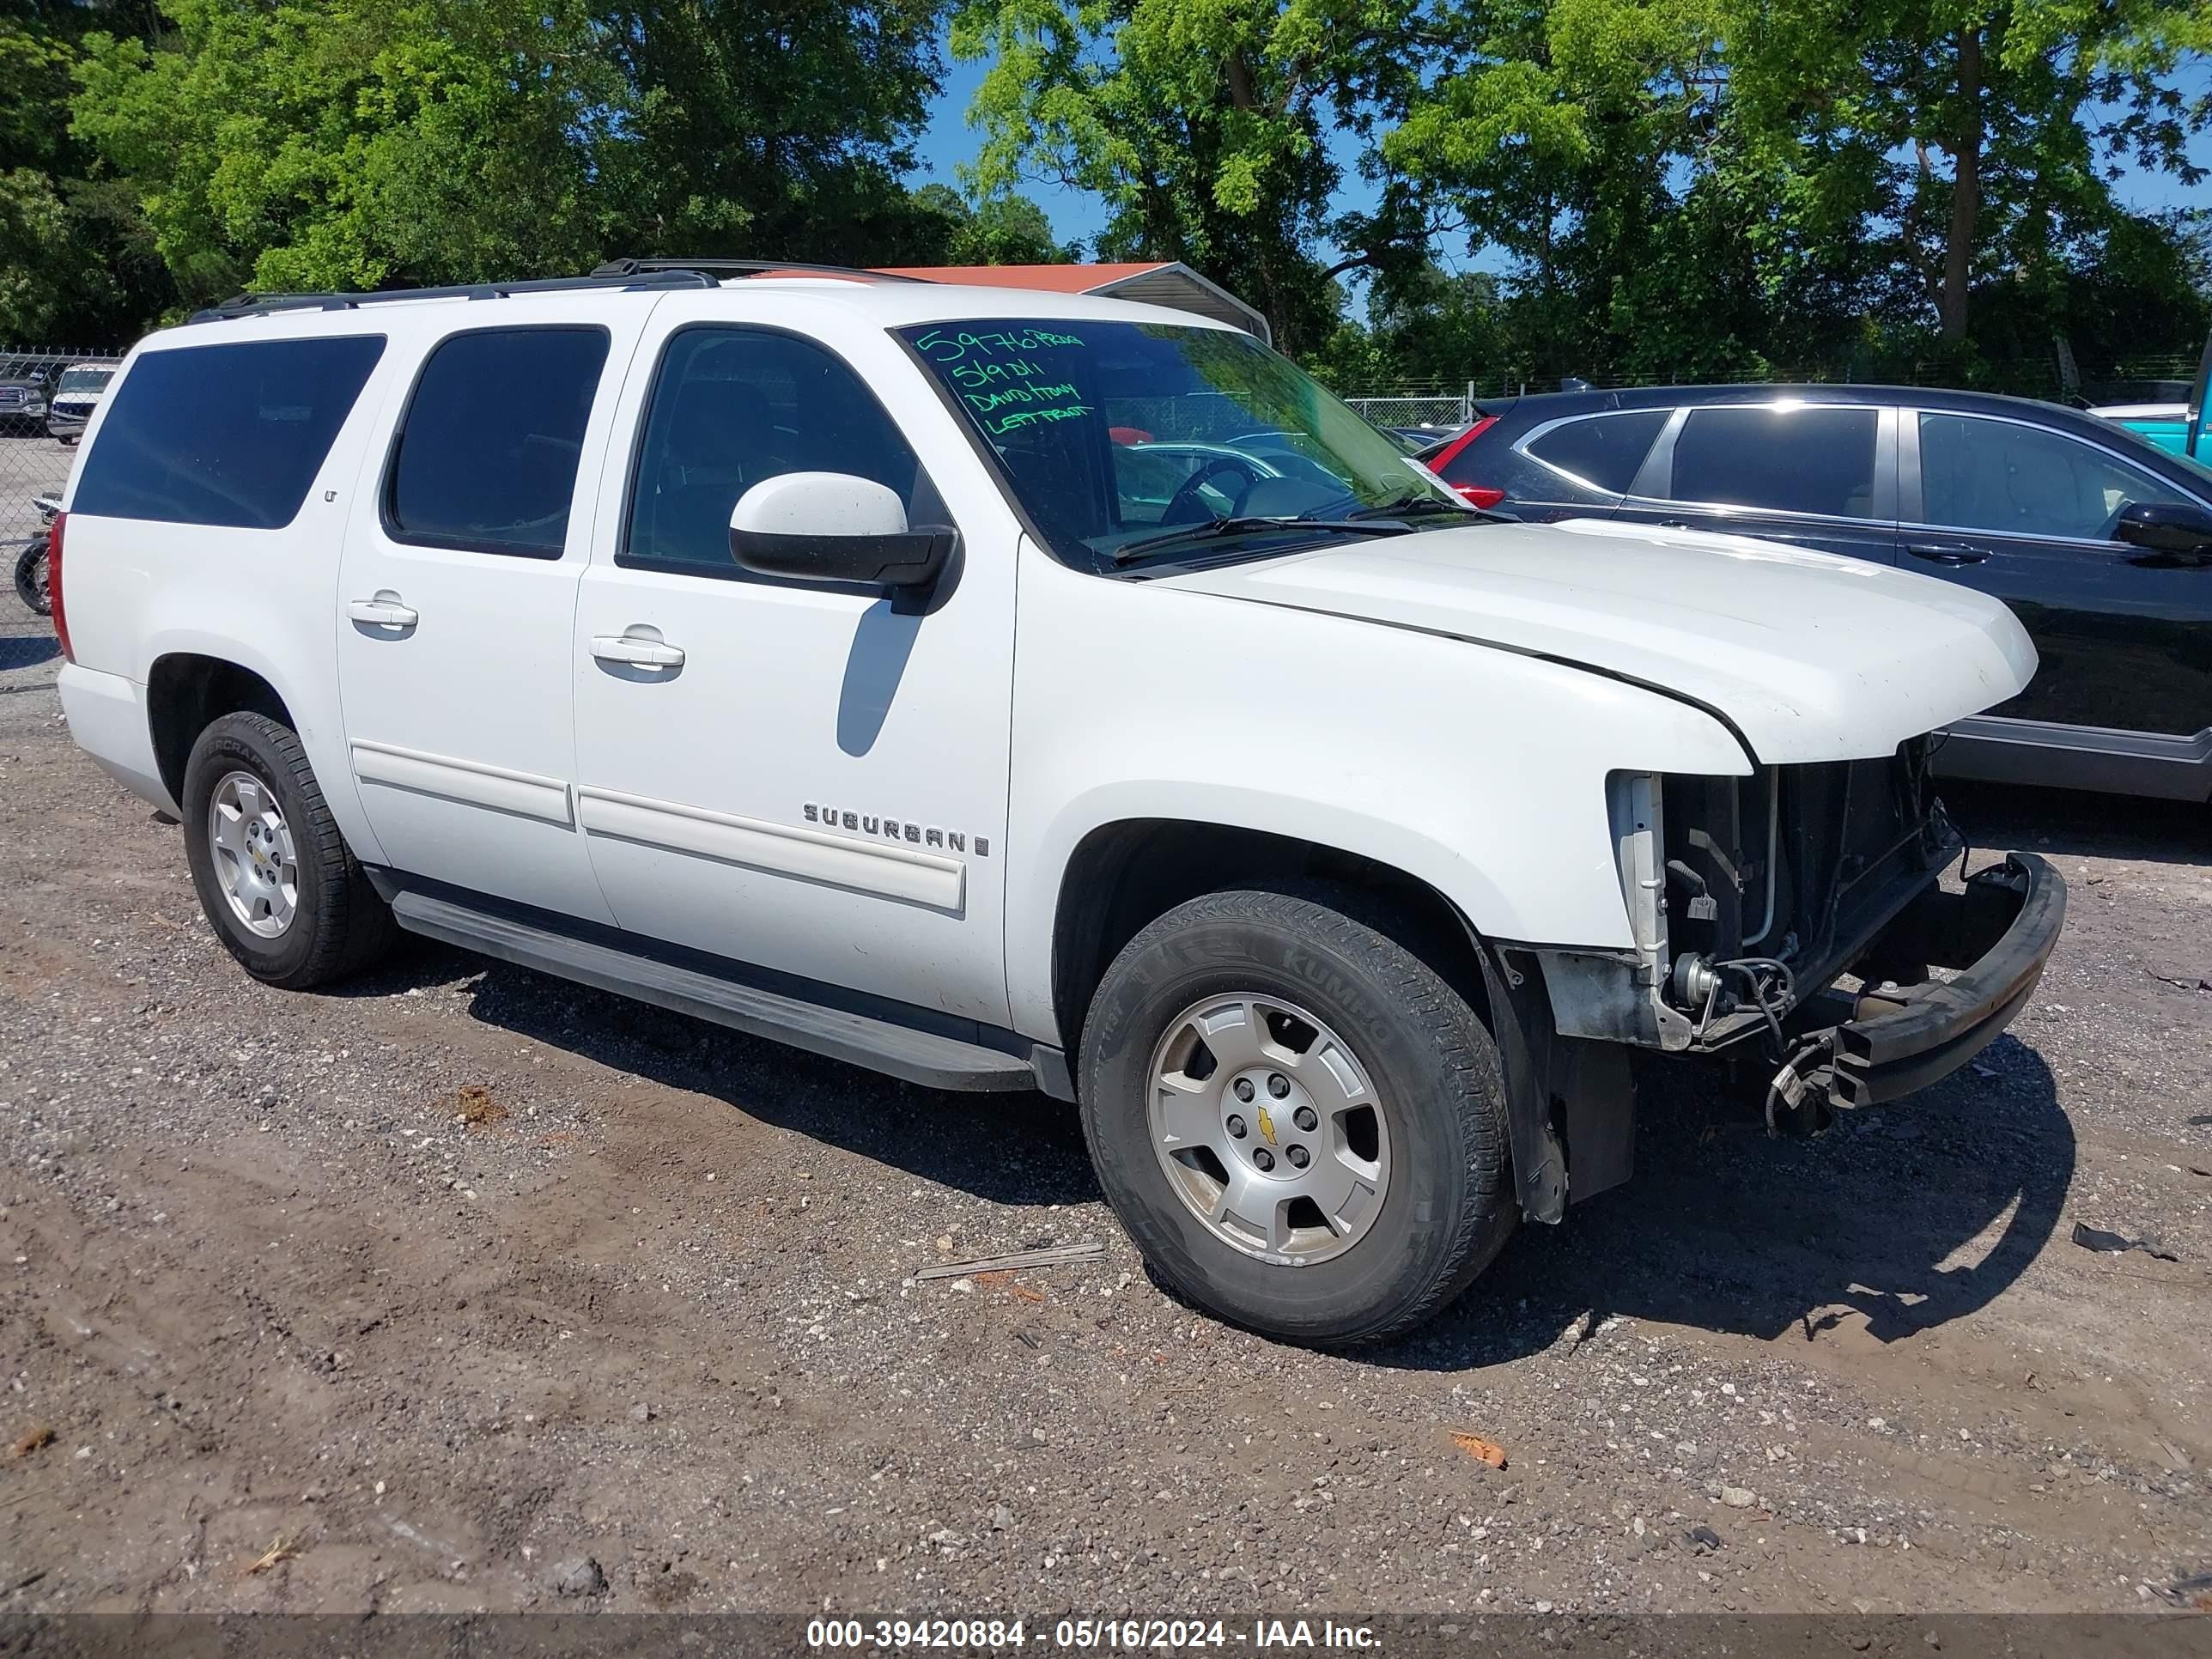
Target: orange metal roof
{"x": 1051, "y": 279}
{"x": 1156, "y": 282}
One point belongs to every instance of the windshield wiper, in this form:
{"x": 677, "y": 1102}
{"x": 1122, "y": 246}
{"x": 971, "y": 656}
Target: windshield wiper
{"x": 1245, "y": 525}
{"x": 1409, "y": 505}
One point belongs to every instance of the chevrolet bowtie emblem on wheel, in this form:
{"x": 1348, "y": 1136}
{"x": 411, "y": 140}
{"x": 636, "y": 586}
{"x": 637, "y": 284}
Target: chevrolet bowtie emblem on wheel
{"x": 1267, "y": 1125}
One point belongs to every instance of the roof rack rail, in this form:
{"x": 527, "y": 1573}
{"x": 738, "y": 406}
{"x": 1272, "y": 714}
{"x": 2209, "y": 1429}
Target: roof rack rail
{"x": 720, "y": 268}
{"x": 262, "y": 305}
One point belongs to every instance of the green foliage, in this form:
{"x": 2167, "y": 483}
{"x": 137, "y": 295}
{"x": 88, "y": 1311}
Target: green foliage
{"x": 1709, "y": 188}
{"x": 1000, "y": 230}
{"x": 1654, "y": 188}
{"x": 349, "y": 144}
{"x": 1202, "y": 123}
{"x": 1675, "y": 188}
{"x": 78, "y": 263}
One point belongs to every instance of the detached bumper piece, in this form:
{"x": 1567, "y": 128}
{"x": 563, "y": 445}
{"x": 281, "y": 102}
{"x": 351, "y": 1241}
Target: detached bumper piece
{"x": 1893, "y": 1040}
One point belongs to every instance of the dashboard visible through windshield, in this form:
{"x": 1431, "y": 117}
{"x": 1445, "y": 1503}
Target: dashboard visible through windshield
{"x": 1126, "y": 442}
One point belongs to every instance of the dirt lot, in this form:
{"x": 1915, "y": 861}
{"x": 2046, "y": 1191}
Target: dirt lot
{"x": 423, "y": 1295}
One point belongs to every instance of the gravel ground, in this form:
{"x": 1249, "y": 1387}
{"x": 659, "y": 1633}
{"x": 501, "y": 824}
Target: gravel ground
{"x": 463, "y": 1288}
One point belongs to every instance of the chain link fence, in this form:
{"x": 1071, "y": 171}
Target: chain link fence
{"x": 44, "y": 394}
{"x": 1444, "y": 412}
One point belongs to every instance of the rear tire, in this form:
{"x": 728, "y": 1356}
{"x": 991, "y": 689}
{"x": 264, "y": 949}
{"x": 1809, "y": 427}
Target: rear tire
{"x": 1365, "y": 1061}
{"x": 273, "y": 875}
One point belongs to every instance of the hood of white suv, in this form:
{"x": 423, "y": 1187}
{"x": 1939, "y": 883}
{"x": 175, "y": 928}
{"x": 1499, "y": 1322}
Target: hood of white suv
{"x": 1811, "y": 656}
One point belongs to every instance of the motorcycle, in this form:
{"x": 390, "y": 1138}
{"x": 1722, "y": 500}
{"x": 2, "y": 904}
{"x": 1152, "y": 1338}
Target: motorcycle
{"x": 31, "y": 583}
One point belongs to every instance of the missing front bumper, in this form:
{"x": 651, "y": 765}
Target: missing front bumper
{"x": 1885, "y": 1043}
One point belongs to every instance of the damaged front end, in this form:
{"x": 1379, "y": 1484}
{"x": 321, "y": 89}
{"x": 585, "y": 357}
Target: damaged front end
{"x": 1798, "y": 915}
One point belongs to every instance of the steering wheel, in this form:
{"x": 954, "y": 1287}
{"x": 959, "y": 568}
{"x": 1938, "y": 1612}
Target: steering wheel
{"x": 1184, "y": 506}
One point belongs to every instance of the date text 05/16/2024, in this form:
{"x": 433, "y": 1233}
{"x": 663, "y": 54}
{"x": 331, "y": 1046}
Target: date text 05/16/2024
{"x": 1127, "y": 1635}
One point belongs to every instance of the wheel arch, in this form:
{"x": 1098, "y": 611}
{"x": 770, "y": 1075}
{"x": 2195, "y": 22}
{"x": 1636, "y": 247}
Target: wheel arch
{"x": 188, "y": 691}
{"x": 196, "y": 670}
{"x": 1569, "y": 1104}
{"x": 1123, "y": 874}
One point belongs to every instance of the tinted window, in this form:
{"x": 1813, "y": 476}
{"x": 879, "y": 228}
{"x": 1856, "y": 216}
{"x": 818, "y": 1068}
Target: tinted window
{"x": 734, "y": 406}
{"x": 486, "y": 458}
{"x": 1795, "y": 459}
{"x": 224, "y": 435}
{"x": 1993, "y": 475}
{"x": 1604, "y": 450}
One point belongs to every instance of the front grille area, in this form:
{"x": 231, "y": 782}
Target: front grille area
{"x": 13, "y": 396}
{"x": 1803, "y": 864}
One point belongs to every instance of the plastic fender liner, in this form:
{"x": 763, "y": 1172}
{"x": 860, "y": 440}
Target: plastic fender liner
{"x": 1570, "y": 1103}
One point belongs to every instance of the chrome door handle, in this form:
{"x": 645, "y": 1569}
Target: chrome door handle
{"x": 640, "y": 653}
{"x": 384, "y": 610}
{"x": 1944, "y": 553}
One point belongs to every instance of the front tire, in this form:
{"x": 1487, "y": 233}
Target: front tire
{"x": 273, "y": 875}
{"x": 1299, "y": 1123}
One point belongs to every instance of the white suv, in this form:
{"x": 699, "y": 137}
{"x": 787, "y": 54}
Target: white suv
{"x": 1005, "y": 690}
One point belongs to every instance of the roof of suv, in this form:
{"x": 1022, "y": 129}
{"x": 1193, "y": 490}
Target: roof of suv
{"x": 765, "y": 298}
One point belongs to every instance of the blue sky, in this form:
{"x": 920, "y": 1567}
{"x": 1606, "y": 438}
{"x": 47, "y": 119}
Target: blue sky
{"x": 949, "y": 141}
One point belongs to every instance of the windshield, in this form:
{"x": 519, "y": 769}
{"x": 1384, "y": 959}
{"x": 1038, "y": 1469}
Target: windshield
{"x": 85, "y": 379}
{"x": 1113, "y": 434}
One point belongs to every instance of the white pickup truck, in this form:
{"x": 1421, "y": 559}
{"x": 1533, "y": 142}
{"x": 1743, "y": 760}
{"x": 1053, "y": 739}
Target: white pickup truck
{"x": 1002, "y": 690}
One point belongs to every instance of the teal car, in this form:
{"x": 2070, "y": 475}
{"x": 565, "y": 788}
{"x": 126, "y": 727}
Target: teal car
{"x": 2165, "y": 425}
{"x": 2177, "y": 428}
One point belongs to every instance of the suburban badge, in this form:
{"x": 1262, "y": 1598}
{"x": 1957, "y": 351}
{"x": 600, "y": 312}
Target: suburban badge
{"x": 926, "y": 835}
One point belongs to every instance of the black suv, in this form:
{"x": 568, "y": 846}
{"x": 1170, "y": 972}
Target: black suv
{"x": 24, "y": 385}
{"x": 2100, "y": 542}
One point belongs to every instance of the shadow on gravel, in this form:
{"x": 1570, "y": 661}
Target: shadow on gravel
{"x": 27, "y": 650}
{"x": 1019, "y": 1149}
{"x": 2065, "y": 823}
{"x": 1897, "y": 1220}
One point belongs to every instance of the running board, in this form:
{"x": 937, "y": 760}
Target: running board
{"x": 928, "y": 1057}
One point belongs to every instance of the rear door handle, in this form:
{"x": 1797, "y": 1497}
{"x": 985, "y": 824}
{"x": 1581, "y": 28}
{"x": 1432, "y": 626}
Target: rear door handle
{"x": 1947, "y": 553}
{"x": 384, "y": 610}
{"x": 640, "y": 653}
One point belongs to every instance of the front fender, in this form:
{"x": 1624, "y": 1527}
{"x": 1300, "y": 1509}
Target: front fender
{"x": 1481, "y": 773}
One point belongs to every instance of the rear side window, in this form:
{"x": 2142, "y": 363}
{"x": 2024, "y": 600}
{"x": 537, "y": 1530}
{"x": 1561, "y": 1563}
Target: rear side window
{"x": 1603, "y": 451}
{"x": 224, "y": 435}
{"x": 487, "y": 454}
{"x": 1783, "y": 457}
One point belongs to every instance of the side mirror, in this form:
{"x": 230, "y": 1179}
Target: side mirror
{"x": 2166, "y": 527}
{"x": 835, "y": 527}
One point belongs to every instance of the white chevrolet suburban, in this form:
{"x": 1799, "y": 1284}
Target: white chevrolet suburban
{"x": 1003, "y": 690}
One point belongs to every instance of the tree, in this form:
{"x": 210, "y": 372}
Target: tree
{"x": 774, "y": 129}
{"x": 1000, "y": 230}
{"x": 1977, "y": 141}
{"x": 1425, "y": 325}
{"x": 355, "y": 143}
{"x": 360, "y": 143}
{"x": 78, "y": 265}
{"x": 1693, "y": 188}
{"x": 1201, "y": 124}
